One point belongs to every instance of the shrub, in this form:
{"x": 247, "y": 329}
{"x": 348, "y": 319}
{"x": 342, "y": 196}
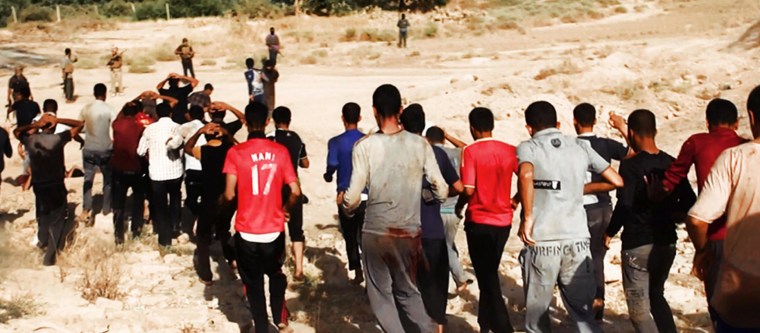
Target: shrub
{"x": 36, "y": 13}
{"x": 102, "y": 280}
{"x": 116, "y": 8}
{"x": 163, "y": 53}
{"x": 208, "y": 62}
{"x": 259, "y": 8}
{"x": 150, "y": 10}
{"x": 349, "y": 35}
{"x": 431, "y": 30}
{"x": 17, "y": 307}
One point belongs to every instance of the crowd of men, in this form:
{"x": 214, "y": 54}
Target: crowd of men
{"x": 402, "y": 193}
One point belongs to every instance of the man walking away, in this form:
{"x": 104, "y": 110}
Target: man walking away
{"x": 271, "y": 74}
{"x": 433, "y": 274}
{"x": 161, "y": 141}
{"x": 391, "y": 164}
{"x": 6, "y": 148}
{"x": 554, "y": 228}
{"x": 731, "y": 190}
{"x": 127, "y": 170}
{"x": 114, "y": 64}
{"x": 201, "y": 98}
{"x": 179, "y": 112}
{"x": 598, "y": 205}
{"x": 193, "y": 170}
{"x": 257, "y": 170}
{"x": 487, "y": 169}
{"x": 255, "y": 79}
{"x": 24, "y": 107}
{"x": 298, "y": 156}
{"x": 186, "y": 54}
{"x": 273, "y": 45}
{"x": 339, "y": 150}
{"x": 67, "y": 73}
{"x": 16, "y": 82}
{"x": 47, "y": 164}
{"x": 436, "y": 136}
{"x": 97, "y": 117}
{"x": 403, "y": 30}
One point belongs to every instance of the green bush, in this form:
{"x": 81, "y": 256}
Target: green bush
{"x": 191, "y": 8}
{"x": 150, "y": 10}
{"x": 329, "y": 7}
{"x": 259, "y": 8}
{"x": 116, "y": 8}
{"x": 36, "y": 13}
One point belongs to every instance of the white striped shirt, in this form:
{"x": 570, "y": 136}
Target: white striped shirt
{"x": 162, "y": 141}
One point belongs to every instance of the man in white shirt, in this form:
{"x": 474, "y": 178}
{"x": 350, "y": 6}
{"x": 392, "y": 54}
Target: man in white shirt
{"x": 193, "y": 176}
{"x": 96, "y": 153}
{"x": 162, "y": 141}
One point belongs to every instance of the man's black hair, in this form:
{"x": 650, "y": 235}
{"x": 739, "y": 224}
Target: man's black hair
{"x": 585, "y": 114}
{"x": 256, "y": 114}
{"x": 481, "y": 119}
{"x": 196, "y": 112}
{"x": 67, "y": 51}
{"x": 351, "y": 113}
{"x": 163, "y": 110}
{"x": 413, "y": 118}
{"x": 131, "y": 108}
{"x": 173, "y": 82}
{"x": 100, "y": 90}
{"x": 387, "y": 101}
{"x": 435, "y": 134}
{"x": 281, "y": 115}
{"x": 721, "y": 112}
{"x": 249, "y": 63}
{"x": 268, "y": 63}
{"x": 753, "y": 103}
{"x": 218, "y": 116}
{"x": 643, "y": 122}
{"x": 24, "y": 91}
{"x": 541, "y": 115}
{"x": 208, "y": 86}
{"x": 50, "y": 105}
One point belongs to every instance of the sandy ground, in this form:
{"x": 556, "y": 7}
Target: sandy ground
{"x": 671, "y": 58}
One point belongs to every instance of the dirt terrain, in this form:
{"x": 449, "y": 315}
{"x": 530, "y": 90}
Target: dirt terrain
{"x": 670, "y": 56}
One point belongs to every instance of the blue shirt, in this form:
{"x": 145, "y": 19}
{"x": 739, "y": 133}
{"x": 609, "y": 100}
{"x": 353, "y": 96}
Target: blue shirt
{"x": 430, "y": 209}
{"x": 339, "y": 151}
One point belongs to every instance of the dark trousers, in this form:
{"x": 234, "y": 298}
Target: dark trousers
{"x": 68, "y": 87}
{"x": 93, "y": 159}
{"x": 214, "y": 219}
{"x": 711, "y": 280}
{"x": 254, "y": 261}
{"x": 486, "y": 244}
{"x": 273, "y": 55}
{"x": 122, "y": 181}
{"x": 295, "y": 223}
{"x": 165, "y": 201}
{"x": 645, "y": 270}
{"x": 351, "y": 228}
{"x": 187, "y": 67}
{"x": 193, "y": 192}
{"x": 390, "y": 267}
{"x": 433, "y": 278}
{"x": 52, "y": 218}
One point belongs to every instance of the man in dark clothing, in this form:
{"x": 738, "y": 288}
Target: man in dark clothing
{"x": 25, "y": 108}
{"x": 16, "y": 82}
{"x": 433, "y": 273}
{"x": 218, "y": 112}
{"x": 202, "y": 98}
{"x": 649, "y": 234}
{"x": 186, "y": 54}
{"x": 339, "y": 150}
{"x": 599, "y": 205}
{"x": 128, "y": 171}
{"x": 214, "y": 218}
{"x": 45, "y": 151}
{"x": 5, "y": 145}
{"x": 297, "y": 149}
{"x": 271, "y": 75}
{"x": 273, "y": 45}
{"x": 178, "y": 93}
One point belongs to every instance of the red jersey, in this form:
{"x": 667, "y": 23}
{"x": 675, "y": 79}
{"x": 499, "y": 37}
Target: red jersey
{"x": 488, "y": 166}
{"x": 262, "y": 168}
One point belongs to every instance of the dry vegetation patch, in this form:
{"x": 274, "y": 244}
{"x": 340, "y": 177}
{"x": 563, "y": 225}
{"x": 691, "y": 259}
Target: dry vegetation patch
{"x": 17, "y": 307}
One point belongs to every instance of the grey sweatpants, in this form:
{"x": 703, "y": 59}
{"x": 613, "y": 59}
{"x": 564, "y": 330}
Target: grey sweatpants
{"x": 390, "y": 266}
{"x": 598, "y": 221}
{"x": 645, "y": 270}
{"x": 566, "y": 263}
{"x": 451, "y": 227}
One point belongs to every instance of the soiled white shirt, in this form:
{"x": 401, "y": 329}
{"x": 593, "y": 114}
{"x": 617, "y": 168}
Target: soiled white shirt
{"x": 97, "y": 117}
{"x": 187, "y": 130}
{"x": 162, "y": 141}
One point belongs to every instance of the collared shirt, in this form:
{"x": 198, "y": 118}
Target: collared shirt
{"x": 488, "y": 166}
{"x": 187, "y": 130}
{"x": 97, "y": 117}
{"x": 162, "y": 141}
{"x": 391, "y": 166}
{"x": 560, "y": 163}
{"x": 609, "y": 150}
{"x": 339, "y": 150}
{"x": 126, "y": 138}
{"x": 199, "y": 98}
{"x": 701, "y": 150}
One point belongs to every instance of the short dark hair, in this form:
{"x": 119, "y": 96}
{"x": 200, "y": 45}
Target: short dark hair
{"x": 50, "y": 105}
{"x": 256, "y": 114}
{"x": 643, "y": 122}
{"x": 163, "y": 109}
{"x": 721, "y": 112}
{"x": 387, "y": 101}
{"x": 585, "y": 114}
{"x": 351, "y": 112}
{"x": 268, "y": 63}
{"x": 281, "y": 115}
{"x": 131, "y": 108}
{"x": 208, "y": 86}
{"x": 541, "y": 115}
{"x": 753, "y": 103}
{"x": 173, "y": 82}
{"x": 24, "y": 91}
{"x": 413, "y": 118}
{"x": 435, "y": 134}
{"x": 67, "y": 51}
{"x": 100, "y": 90}
{"x": 218, "y": 116}
{"x": 196, "y": 112}
{"x": 249, "y": 62}
{"x": 481, "y": 119}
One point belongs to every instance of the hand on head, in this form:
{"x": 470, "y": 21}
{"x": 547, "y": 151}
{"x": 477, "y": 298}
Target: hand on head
{"x": 616, "y": 120}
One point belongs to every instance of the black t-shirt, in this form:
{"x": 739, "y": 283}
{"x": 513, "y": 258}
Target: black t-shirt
{"x": 17, "y": 82}
{"x": 212, "y": 163}
{"x": 180, "y": 94}
{"x": 430, "y": 212}
{"x": 46, "y": 156}
{"x": 26, "y": 110}
{"x": 292, "y": 141}
{"x": 233, "y": 127}
{"x": 609, "y": 150}
{"x": 643, "y": 220}
{"x": 5, "y": 145}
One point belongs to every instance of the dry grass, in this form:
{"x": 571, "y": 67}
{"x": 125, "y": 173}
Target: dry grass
{"x": 162, "y": 53}
{"x": 101, "y": 280}
{"x": 190, "y": 328}
{"x": 94, "y": 262}
{"x": 567, "y": 67}
{"x": 542, "y": 13}
{"x": 208, "y": 62}
{"x": 17, "y": 307}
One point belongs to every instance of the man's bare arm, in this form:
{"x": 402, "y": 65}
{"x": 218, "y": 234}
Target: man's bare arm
{"x": 526, "y": 190}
